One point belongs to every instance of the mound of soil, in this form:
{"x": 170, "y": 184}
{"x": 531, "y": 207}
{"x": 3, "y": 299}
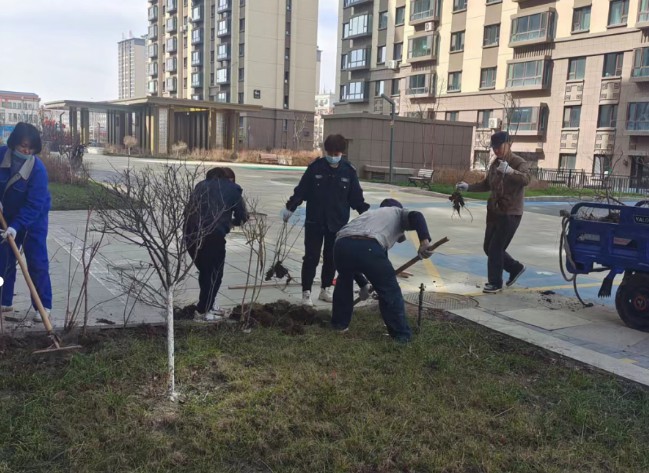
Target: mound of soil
{"x": 289, "y": 317}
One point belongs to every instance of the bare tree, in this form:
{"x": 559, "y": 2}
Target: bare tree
{"x": 148, "y": 209}
{"x": 510, "y": 106}
{"x": 299, "y": 128}
{"x": 130, "y": 142}
{"x": 179, "y": 148}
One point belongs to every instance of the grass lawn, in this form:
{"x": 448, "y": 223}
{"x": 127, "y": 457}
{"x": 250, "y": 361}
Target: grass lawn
{"x": 74, "y": 197}
{"x": 458, "y": 399}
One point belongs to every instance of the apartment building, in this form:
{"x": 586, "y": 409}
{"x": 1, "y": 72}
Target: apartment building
{"x": 19, "y": 107}
{"x": 131, "y": 58}
{"x": 324, "y": 105}
{"x": 240, "y": 52}
{"x": 570, "y": 79}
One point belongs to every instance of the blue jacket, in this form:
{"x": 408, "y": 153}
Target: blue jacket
{"x": 329, "y": 194}
{"x": 24, "y": 196}
{"x": 215, "y": 206}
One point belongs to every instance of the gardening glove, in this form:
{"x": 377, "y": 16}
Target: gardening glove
{"x": 10, "y": 231}
{"x": 504, "y": 168}
{"x": 424, "y": 250}
{"x": 364, "y": 292}
{"x": 462, "y": 186}
{"x": 286, "y": 214}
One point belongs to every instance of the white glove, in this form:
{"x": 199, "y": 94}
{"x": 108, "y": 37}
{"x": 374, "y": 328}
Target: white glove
{"x": 10, "y": 231}
{"x": 286, "y": 214}
{"x": 364, "y": 292}
{"x": 504, "y": 168}
{"x": 424, "y": 250}
{"x": 462, "y": 186}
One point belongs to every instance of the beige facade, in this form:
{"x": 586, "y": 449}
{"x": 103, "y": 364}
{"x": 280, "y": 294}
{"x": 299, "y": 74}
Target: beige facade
{"x": 570, "y": 79}
{"x": 241, "y": 52}
{"x": 131, "y": 59}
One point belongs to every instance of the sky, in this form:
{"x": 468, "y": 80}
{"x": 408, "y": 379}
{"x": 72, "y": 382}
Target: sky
{"x": 67, "y": 49}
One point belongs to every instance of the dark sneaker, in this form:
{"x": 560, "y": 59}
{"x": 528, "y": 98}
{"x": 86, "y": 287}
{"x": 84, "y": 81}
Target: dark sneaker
{"x": 514, "y": 277}
{"x": 491, "y": 289}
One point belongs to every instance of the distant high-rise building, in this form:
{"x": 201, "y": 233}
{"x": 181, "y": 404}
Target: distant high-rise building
{"x": 570, "y": 80}
{"x": 239, "y": 52}
{"x": 19, "y": 107}
{"x": 324, "y": 105}
{"x": 318, "y": 66}
{"x": 132, "y": 68}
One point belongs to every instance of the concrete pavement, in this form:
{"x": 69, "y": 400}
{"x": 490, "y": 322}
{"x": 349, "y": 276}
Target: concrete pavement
{"x": 555, "y": 320}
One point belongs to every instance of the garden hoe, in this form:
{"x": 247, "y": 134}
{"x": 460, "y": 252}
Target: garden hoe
{"x": 409, "y": 263}
{"x": 56, "y": 342}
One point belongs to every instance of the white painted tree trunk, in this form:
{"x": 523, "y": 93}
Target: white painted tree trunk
{"x": 173, "y": 396}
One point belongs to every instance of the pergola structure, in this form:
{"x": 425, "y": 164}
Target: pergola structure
{"x": 159, "y": 122}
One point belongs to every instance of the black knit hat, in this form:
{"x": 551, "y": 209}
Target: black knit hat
{"x": 499, "y": 138}
{"x": 391, "y": 203}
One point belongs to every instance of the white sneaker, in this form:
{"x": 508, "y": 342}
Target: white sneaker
{"x": 306, "y": 299}
{"x": 37, "y": 318}
{"x": 327, "y": 294}
{"x": 213, "y": 316}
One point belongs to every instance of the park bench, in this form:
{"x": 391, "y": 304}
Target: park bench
{"x": 265, "y": 158}
{"x": 424, "y": 176}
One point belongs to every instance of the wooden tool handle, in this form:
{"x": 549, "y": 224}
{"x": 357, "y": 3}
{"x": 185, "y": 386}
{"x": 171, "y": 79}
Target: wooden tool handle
{"x": 28, "y": 279}
{"x": 433, "y": 247}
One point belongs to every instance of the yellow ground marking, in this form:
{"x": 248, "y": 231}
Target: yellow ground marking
{"x": 431, "y": 269}
{"x": 545, "y": 288}
{"x": 628, "y": 360}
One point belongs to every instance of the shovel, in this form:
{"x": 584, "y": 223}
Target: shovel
{"x": 412, "y": 261}
{"x": 56, "y": 342}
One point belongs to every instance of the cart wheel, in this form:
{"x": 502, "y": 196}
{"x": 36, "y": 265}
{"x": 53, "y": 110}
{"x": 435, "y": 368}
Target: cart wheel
{"x": 632, "y": 301}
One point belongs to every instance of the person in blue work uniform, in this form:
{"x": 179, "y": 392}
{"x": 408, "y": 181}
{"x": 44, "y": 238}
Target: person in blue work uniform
{"x": 362, "y": 247}
{"x": 216, "y": 205}
{"x": 25, "y": 203}
{"x": 330, "y": 188}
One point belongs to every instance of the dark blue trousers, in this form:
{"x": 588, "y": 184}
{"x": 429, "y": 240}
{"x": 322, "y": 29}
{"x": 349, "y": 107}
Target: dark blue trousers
{"x": 371, "y": 259}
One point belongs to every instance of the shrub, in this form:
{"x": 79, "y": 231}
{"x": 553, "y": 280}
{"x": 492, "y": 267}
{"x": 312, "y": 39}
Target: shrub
{"x": 59, "y": 170}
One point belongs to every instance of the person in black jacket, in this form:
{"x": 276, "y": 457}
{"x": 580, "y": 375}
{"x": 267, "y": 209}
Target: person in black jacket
{"x": 216, "y": 205}
{"x": 330, "y": 188}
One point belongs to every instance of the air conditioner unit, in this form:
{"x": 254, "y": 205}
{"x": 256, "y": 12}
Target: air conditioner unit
{"x": 428, "y": 26}
{"x": 495, "y": 123}
{"x": 394, "y": 65}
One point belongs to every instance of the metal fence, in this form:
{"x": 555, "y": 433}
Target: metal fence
{"x": 579, "y": 179}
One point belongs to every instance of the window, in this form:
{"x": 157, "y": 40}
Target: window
{"x": 640, "y": 63}
{"x": 581, "y": 19}
{"x": 491, "y": 35}
{"x": 454, "y": 82}
{"x": 197, "y": 80}
{"x": 483, "y": 119}
{"x": 380, "y": 55}
{"x": 355, "y": 59}
{"x": 457, "y": 41}
{"x": 423, "y": 9}
{"x": 613, "y": 64}
{"x": 222, "y": 97}
{"x": 567, "y": 161}
{"x": 223, "y": 51}
{"x": 398, "y": 51}
{"x": 379, "y": 88}
{"x": 197, "y": 59}
{"x": 242, "y": 24}
{"x": 421, "y": 47}
{"x": 400, "y": 16}
{"x": 241, "y": 73}
{"x": 643, "y": 11}
{"x": 240, "y": 98}
{"x": 607, "y": 116}
{"x": 528, "y": 119}
{"x": 489, "y": 2}
{"x": 532, "y": 27}
{"x": 222, "y": 76}
{"x": 526, "y": 74}
{"x": 602, "y": 164}
{"x": 242, "y": 49}
{"x": 459, "y": 5}
{"x": 353, "y": 91}
{"x": 171, "y": 64}
{"x": 571, "y": 116}
{"x": 396, "y": 87}
{"x": 576, "y": 68}
{"x": 638, "y": 117}
{"x": 481, "y": 158}
{"x": 488, "y": 78}
{"x": 383, "y": 20}
{"x": 618, "y": 12}
{"x": 417, "y": 84}
{"x": 358, "y": 25}
{"x": 452, "y": 116}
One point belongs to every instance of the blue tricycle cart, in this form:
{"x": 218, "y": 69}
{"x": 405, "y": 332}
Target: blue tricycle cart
{"x": 614, "y": 238}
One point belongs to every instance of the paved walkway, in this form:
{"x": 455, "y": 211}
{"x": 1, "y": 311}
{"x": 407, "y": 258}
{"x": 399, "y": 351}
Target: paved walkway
{"x": 555, "y": 321}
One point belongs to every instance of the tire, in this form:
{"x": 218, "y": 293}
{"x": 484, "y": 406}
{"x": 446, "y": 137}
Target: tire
{"x": 632, "y": 300}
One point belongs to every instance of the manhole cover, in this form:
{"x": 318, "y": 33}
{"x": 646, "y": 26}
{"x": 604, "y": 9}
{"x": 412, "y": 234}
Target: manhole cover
{"x": 442, "y": 300}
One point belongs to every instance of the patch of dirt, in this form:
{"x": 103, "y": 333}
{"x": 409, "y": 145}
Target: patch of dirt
{"x": 289, "y": 317}
{"x": 185, "y": 313}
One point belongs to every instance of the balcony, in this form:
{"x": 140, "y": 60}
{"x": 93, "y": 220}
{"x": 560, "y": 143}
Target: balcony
{"x": 152, "y": 69}
{"x": 223, "y": 6}
{"x": 197, "y": 58}
{"x": 424, "y": 10}
{"x": 356, "y": 60}
{"x": 528, "y": 121}
{"x": 197, "y": 36}
{"x": 353, "y": 3}
{"x": 223, "y": 28}
{"x": 532, "y": 29}
{"x": 197, "y": 14}
{"x": 528, "y": 75}
{"x": 153, "y": 51}
{"x": 152, "y": 87}
{"x": 222, "y": 76}
{"x": 424, "y": 91}
{"x": 355, "y": 92}
{"x": 643, "y": 14}
{"x": 197, "y": 80}
{"x": 171, "y": 64}
{"x": 422, "y": 48}
{"x": 172, "y": 24}
{"x": 637, "y": 123}
{"x": 223, "y": 52}
{"x": 153, "y": 32}
{"x": 153, "y": 13}
{"x": 172, "y": 45}
{"x": 357, "y": 27}
{"x": 172, "y": 6}
{"x": 171, "y": 84}
{"x": 640, "y": 71}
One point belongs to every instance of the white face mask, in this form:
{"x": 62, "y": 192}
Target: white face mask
{"x": 333, "y": 159}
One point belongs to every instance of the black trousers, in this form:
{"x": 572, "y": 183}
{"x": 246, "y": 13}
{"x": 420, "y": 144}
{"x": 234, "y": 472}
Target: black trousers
{"x": 498, "y": 235}
{"x": 209, "y": 260}
{"x": 314, "y": 239}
